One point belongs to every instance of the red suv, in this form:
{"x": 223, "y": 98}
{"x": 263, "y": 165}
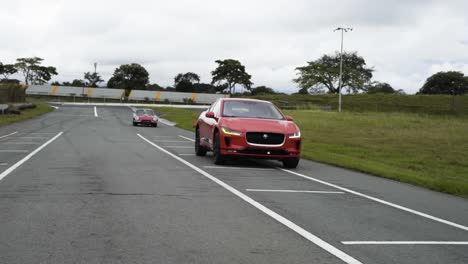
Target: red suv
{"x": 247, "y": 128}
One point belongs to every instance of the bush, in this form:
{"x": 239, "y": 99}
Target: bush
{"x": 11, "y": 92}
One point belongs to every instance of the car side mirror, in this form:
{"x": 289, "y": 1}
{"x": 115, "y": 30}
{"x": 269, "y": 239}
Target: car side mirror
{"x": 289, "y": 118}
{"x": 210, "y": 114}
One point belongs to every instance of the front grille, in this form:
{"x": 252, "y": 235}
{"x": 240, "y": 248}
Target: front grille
{"x": 264, "y": 151}
{"x": 264, "y": 138}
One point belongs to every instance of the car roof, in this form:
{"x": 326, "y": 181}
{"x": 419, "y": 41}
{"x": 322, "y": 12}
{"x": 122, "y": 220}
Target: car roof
{"x": 244, "y": 100}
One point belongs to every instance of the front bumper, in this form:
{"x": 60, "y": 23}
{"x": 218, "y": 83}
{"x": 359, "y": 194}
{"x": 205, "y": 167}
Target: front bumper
{"x": 238, "y": 146}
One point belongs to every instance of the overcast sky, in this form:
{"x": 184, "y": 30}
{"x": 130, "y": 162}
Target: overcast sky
{"x": 404, "y": 40}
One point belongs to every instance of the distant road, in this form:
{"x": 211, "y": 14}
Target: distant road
{"x": 82, "y": 185}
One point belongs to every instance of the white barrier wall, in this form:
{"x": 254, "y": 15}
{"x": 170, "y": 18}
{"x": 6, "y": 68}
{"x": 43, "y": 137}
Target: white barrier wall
{"x": 135, "y": 95}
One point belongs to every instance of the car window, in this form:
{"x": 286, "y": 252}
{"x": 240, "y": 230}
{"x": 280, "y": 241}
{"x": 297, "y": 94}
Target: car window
{"x": 251, "y": 109}
{"x": 144, "y": 112}
{"x": 215, "y": 108}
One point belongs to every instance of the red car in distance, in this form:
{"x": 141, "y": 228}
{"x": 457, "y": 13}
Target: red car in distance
{"x": 145, "y": 117}
{"x": 247, "y": 128}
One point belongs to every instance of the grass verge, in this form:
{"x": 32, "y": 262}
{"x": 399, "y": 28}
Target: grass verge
{"x": 41, "y": 108}
{"x": 425, "y": 150}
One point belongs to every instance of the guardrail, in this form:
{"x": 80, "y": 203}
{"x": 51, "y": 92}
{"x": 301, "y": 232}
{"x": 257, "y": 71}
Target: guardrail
{"x": 118, "y": 94}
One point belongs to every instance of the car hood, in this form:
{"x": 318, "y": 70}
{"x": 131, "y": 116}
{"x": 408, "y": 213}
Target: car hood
{"x": 146, "y": 117}
{"x": 258, "y": 125}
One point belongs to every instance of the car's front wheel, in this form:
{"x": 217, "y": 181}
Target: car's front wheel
{"x": 290, "y": 163}
{"x": 199, "y": 150}
{"x": 134, "y": 124}
{"x": 218, "y": 158}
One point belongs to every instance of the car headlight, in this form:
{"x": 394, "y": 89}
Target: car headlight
{"x": 295, "y": 135}
{"x": 136, "y": 118}
{"x": 228, "y": 131}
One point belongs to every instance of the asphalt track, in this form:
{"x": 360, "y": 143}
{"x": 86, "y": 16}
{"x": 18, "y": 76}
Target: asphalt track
{"x": 82, "y": 185}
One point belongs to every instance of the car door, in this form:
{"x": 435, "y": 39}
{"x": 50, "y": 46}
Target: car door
{"x": 204, "y": 125}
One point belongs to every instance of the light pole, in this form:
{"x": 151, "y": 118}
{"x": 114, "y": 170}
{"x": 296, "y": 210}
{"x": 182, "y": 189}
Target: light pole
{"x": 343, "y": 30}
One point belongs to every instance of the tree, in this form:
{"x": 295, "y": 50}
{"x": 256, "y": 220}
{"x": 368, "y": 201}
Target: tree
{"x": 231, "y": 72}
{"x": 184, "y": 82}
{"x": 74, "y": 83}
{"x": 154, "y": 87}
{"x": 93, "y": 79}
{"x": 128, "y": 77}
{"x": 7, "y": 69}
{"x": 324, "y": 73}
{"x": 33, "y": 72}
{"x": 451, "y": 82}
{"x": 378, "y": 87}
{"x": 262, "y": 90}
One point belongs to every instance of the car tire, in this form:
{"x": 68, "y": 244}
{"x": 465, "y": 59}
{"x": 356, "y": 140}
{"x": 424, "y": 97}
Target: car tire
{"x": 134, "y": 124}
{"x": 155, "y": 124}
{"x": 199, "y": 150}
{"x": 290, "y": 163}
{"x": 218, "y": 158}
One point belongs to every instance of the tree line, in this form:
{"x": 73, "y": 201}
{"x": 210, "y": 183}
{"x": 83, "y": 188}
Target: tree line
{"x": 317, "y": 77}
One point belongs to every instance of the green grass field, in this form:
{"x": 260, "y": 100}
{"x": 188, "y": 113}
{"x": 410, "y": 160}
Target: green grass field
{"x": 425, "y": 150}
{"x": 427, "y": 104}
{"x": 42, "y": 108}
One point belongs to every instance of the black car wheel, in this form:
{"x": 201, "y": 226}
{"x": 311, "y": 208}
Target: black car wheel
{"x": 199, "y": 150}
{"x": 290, "y": 163}
{"x": 218, "y": 158}
{"x": 134, "y": 124}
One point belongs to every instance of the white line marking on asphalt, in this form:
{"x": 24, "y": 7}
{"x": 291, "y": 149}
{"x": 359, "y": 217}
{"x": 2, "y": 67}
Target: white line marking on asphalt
{"x": 17, "y": 164}
{"x": 186, "y": 154}
{"x": 3, "y": 164}
{"x": 20, "y": 143}
{"x": 292, "y": 191}
{"x": 56, "y": 107}
{"x": 437, "y": 219}
{"x": 13, "y": 151}
{"x": 404, "y": 242}
{"x": 236, "y": 168}
{"x": 299, "y": 230}
{"x": 95, "y": 112}
{"x": 9, "y": 134}
{"x": 193, "y": 140}
{"x": 33, "y": 137}
{"x": 171, "y": 141}
{"x": 179, "y": 146}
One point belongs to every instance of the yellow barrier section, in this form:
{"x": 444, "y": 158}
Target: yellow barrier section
{"x": 158, "y": 96}
{"x": 122, "y": 93}
{"x": 130, "y": 94}
{"x": 89, "y": 92}
{"x": 54, "y": 90}
{"x": 194, "y": 96}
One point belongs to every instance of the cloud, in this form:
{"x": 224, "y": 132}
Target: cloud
{"x": 405, "y": 41}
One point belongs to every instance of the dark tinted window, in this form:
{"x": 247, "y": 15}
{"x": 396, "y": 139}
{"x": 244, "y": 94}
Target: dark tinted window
{"x": 144, "y": 112}
{"x": 251, "y": 110}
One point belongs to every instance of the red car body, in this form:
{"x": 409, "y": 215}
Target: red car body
{"x": 145, "y": 117}
{"x": 267, "y": 134}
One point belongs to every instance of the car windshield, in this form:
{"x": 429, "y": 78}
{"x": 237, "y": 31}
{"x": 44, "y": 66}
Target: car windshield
{"x": 144, "y": 112}
{"x": 251, "y": 109}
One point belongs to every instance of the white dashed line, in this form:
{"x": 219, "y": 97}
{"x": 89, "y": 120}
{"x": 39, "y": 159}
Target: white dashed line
{"x": 9, "y": 134}
{"x": 193, "y": 140}
{"x": 434, "y": 218}
{"x": 404, "y": 242}
{"x": 299, "y": 230}
{"x": 293, "y": 191}
{"x": 95, "y": 112}
{"x": 13, "y": 151}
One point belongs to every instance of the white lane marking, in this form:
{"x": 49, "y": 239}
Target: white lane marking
{"x": 171, "y": 141}
{"x": 193, "y": 140}
{"x": 13, "y": 151}
{"x": 20, "y": 143}
{"x": 9, "y": 134}
{"x": 33, "y": 137}
{"x": 30, "y": 155}
{"x": 56, "y": 107}
{"x": 236, "y": 168}
{"x": 404, "y": 242}
{"x": 95, "y": 112}
{"x": 292, "y": 191}
{"x": 434, "y": 218}
{"x": 186, "y": 154}
{"x": 167, "y": 122}
{"x": 3, "y": 164}
{"x": 299, "y": 230}
{"x": 39, "y": 133}
{"x": 179, "y": 146}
